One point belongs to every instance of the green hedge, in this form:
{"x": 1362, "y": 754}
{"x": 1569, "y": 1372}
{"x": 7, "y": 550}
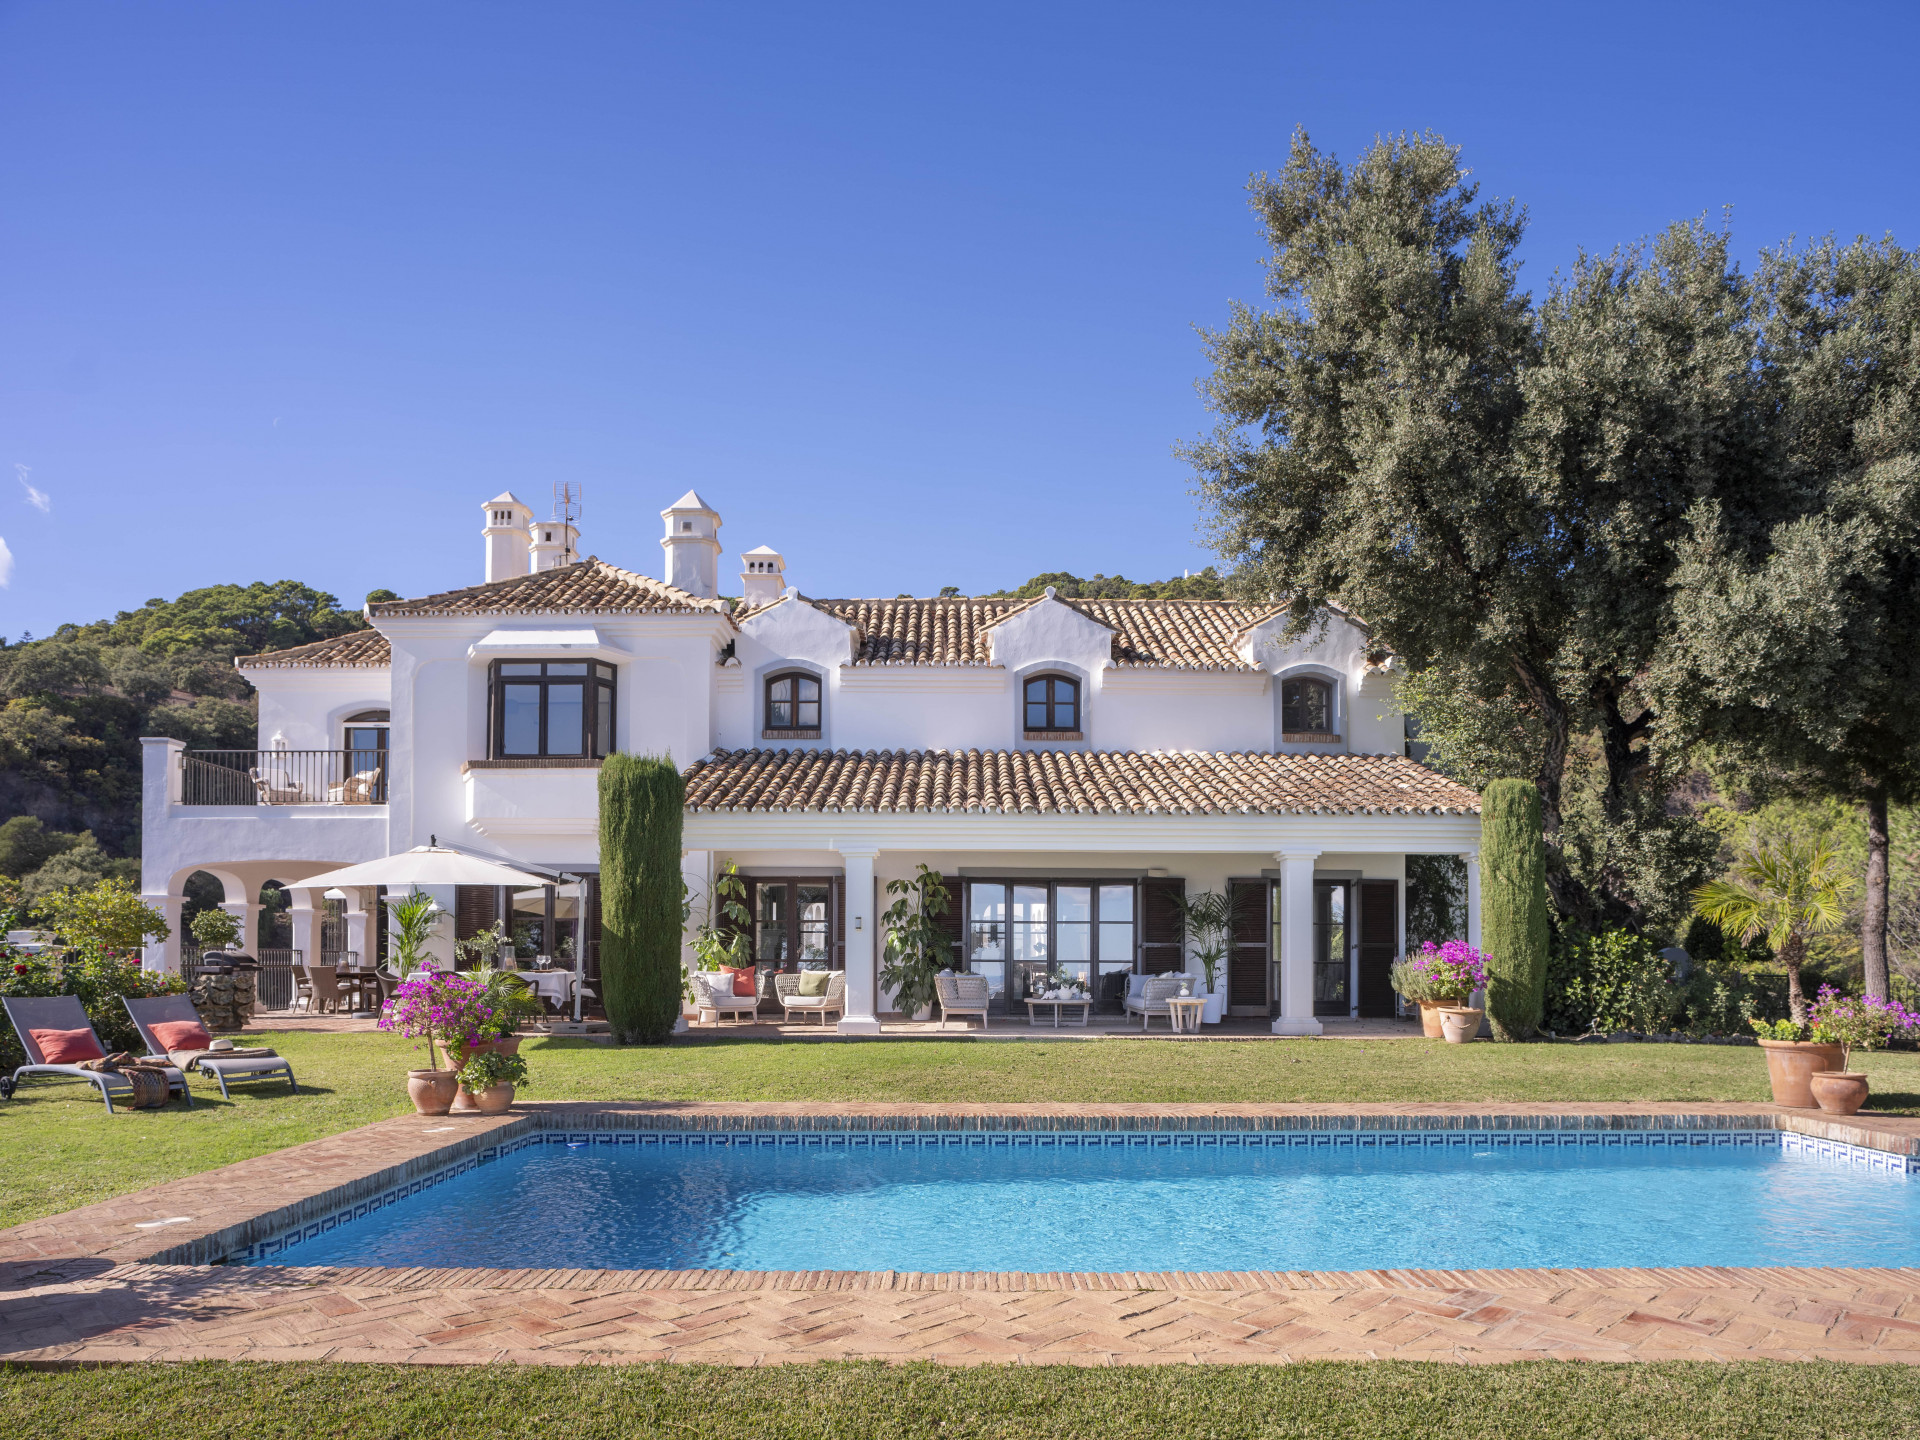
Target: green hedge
{"x": 641, "y": 799}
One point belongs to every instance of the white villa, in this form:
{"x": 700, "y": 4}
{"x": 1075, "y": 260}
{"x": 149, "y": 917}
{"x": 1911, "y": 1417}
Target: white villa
{"x": 1069, "y": 765}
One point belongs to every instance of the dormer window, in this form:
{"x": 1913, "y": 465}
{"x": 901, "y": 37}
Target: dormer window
{"x": 561, "y": 709}
{"x": 1306, "y": 709}
{"x": 1051, "y": 708}
{"x": 793, "y": 706}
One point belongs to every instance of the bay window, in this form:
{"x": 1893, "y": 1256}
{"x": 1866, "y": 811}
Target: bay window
{"x": 562, "y": 709}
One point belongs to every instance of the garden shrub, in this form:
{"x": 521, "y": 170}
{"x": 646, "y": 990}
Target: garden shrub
{"x": 1612, "y": 981}
{"x": 100, "y": 976}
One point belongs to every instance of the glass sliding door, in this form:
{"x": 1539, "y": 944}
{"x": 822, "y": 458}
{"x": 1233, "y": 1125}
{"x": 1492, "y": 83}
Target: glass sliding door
{"x": 1332, "y": 949}
{"x": 1019, "y": 931}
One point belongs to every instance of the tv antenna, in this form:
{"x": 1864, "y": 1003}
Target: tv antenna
{"x": 566, "y": 509}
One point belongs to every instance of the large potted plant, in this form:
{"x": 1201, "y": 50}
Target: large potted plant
{"x": 723, "y": 940}
{"x": 1788, "y": 892}
{"x": 1448, "y": 975}
{"x": 1412, "y": 984}
{"x": 917, "y": 944}
{"x": 488, "y": 1080}
{"x": 452, "y": 1014}
{"x": 513, "y": 1001}
{"x": 1206, "y": 920}
{"x": 414, "y": 918}
{"x": 1853, "y": 1022}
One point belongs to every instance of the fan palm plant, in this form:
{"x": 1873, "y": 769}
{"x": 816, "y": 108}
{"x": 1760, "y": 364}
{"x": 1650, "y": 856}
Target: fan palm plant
{"x": 1788, "y": 892}
{"x": 1207, "y": 919}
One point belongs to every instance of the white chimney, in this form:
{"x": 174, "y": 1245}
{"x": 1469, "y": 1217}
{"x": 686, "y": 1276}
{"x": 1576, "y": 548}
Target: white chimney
{"x": 692, "y": 543}
{"x": 763, "y": 576}
{"x": 555, "y": 543}
{"x": 505, "y": 535}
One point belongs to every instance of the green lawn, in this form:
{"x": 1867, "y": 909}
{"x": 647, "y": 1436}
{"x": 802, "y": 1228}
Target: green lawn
{"x": 63, "y": 1150}
{"x": 1563, "y": 1401}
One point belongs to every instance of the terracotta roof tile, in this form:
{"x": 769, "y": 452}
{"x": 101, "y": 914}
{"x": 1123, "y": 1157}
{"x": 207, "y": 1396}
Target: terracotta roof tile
{"x": 1041, "y": 782}
{"x": 1176, "y": 634}
{"x": 592, "y": 586}
{"x": 355, "y": 649}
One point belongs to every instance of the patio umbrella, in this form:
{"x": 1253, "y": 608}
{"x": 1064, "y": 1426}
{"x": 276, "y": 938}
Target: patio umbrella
{"x": 422, "y": 866}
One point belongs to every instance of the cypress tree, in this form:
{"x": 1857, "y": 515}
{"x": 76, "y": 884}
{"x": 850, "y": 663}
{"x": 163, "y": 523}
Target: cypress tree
{"x": 1513, "y": 907}
{"x": 640, "y": 819}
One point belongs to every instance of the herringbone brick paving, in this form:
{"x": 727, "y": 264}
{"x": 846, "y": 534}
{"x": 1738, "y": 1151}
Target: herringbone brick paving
{"x": 88, "y": 1287}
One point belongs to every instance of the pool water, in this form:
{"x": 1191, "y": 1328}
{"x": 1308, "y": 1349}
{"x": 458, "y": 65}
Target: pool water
{"x": 933, "y": 1207}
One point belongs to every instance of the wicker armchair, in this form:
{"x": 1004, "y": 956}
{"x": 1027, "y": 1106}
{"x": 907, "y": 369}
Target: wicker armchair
{"x": 1152, "y": 999}
{"x": 786, "y": 987}
{"x": 721, "y": 1001}
{"x": 962, "y": 995}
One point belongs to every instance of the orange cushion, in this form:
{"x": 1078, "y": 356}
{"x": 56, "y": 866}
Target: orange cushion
{"x": 67, "y": 1047}
{"x": 743, "y": 980}
{"x": 181, "y": 1035}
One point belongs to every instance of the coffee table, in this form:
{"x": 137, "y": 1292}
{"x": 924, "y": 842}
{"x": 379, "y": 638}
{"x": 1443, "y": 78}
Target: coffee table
{"x": 1184, "y": 1011}
{"x": 1086, "y": 1010}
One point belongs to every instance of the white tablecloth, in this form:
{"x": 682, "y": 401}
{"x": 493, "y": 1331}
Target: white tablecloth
{"x": 554, "y": 985}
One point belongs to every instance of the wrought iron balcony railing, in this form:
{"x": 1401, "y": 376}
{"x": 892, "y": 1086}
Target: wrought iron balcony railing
{"x": 283, "y": 777}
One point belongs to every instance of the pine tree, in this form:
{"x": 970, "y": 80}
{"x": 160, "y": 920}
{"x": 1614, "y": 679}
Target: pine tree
{"x": 640, "y": 822}
{"x": 1513, "y": 907}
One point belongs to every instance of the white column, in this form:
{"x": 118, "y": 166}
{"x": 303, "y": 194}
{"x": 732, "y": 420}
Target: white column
{"x": 360, "y": 935}
{"x": 306, "y": 932}
{"x": 164, "y": 955}
{"x": 862, "y": 982}
{"x": 246, "y": 914}
{"x": 1296, "y": 943}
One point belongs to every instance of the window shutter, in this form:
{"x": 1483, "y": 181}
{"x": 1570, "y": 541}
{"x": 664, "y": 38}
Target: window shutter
{"x": 1379, "y": 942}
{"x": 1248, "y": 942}
{"x": 953, "y": 923}
{"x": 1160, "y": 931}
{"x": 475, "y": 907}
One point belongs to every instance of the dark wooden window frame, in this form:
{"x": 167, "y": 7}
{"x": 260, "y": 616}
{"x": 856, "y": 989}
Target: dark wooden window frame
{"x": 600, "y": 678}
{"x": 1291, "y": 729}
{"x": 1053, "y": 729}
{"x": 801, "y": 730}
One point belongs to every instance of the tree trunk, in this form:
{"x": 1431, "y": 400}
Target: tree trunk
{"x": 1791, "y": 953}
{"x": 1873, "y": 927}
{"x": 1570, "y": 897}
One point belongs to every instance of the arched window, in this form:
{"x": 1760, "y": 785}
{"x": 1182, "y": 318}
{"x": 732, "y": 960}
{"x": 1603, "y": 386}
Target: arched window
{"x": 1052, "y": 704}
{"x": 793, "y": 702}
{"x": 1306, "y": 707}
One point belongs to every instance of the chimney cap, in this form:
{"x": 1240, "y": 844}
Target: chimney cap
{"x": 690, "y": 501}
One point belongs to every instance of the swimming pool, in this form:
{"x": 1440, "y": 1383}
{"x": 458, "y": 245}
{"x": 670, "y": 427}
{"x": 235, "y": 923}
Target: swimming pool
{"x": 1098, "y": 1201}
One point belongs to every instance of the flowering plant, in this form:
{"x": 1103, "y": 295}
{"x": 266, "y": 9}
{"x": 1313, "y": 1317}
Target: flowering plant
{"x": 1858, "y": 1021}
{"x": 483, "y": 1072}
{"x": 1449, "y": 972}
{"x": 435, "y": 1006}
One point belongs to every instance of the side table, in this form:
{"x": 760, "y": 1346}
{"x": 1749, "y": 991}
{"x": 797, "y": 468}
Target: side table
{"x": 1184, "y": 1011}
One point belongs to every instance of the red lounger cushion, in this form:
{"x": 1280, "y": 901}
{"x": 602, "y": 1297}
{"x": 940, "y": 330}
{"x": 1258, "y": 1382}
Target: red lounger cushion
{"x": 181, "y": 1035}
{"x": 743, "y": 980}
{"x": 67, "y": 1047}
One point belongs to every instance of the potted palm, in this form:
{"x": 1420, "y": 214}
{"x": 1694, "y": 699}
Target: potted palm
{"x": 1206, "y": 918}
{"x": 1853, "y": 1022}
{"x": 414, "y": 918}
{"x": 1788, "y": 892}
{"x": 917, "y": 944}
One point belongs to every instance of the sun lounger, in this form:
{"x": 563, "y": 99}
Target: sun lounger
{"x": 167, "y": 1009}
{"x": 64, "y": 1012}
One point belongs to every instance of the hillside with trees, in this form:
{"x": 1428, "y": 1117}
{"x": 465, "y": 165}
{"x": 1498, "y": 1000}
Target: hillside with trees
{"x": 74, "y": 705}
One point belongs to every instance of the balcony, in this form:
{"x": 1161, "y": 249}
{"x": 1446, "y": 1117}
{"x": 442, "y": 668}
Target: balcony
{"x": 283, "y": 777}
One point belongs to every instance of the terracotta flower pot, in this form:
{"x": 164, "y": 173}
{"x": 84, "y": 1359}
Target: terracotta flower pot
{"x": 432, "y": 1091}
{"x": 1460, "y": 1023}
{"x": 1430, "y": 1027}
{"x": 491, "y": 1101}
{"x": 1839, "y": 1092}
{"x": 1790, "y": 1068}
{"x": 507, "y": 1044}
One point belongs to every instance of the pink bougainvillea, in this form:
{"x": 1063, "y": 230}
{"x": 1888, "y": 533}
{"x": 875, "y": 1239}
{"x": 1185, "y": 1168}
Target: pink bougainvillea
{"x": 1453, "y": 971}
{"x": 434, "y": 1006}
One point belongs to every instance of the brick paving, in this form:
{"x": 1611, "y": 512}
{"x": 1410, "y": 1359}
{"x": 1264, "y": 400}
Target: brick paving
{"x": 125, "y": 1280}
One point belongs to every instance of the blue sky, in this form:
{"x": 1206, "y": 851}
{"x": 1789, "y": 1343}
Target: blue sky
{"x": 906, "y": 291}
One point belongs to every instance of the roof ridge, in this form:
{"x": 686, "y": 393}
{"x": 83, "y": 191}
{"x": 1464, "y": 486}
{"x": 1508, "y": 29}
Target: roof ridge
{"x": 463, "y": 599}
{"x": 314, "y": 651}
